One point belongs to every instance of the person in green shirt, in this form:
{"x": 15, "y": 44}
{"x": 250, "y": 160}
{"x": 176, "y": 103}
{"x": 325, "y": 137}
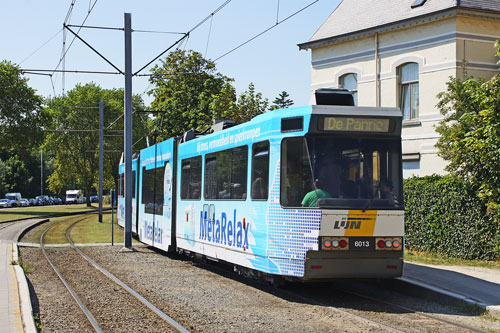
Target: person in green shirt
{"x": 311, "y": 198}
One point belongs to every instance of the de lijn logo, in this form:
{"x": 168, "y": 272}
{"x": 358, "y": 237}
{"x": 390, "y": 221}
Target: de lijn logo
{"x": 348, "y": 223}
{"x": 224, "y": 231}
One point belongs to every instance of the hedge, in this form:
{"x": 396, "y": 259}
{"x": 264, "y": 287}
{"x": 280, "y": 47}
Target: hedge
{"x": 443, "y": 214}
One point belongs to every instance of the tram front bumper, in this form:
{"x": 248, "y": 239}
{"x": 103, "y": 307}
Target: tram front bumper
{"x": 353, "y": 264}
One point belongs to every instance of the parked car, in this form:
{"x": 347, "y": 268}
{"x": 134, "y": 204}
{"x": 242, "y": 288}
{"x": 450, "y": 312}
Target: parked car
{"x": 5, "y": 203}
{"x": 43, "y": 200}
{"x": 32, "y": 202}
{"x": 94, "y": 198}
{"x": 24, "y": 203}
{"x": 58, "y": 201}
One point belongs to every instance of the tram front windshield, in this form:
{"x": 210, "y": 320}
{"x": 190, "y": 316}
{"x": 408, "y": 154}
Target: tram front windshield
{"x": 341, "y": 173}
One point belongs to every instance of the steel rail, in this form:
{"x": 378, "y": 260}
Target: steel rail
{"x": 123, "y": 285}
{"x": 87, "y": 313}
{"x": 363, "y": 318}
{"x": 402, "y": 307}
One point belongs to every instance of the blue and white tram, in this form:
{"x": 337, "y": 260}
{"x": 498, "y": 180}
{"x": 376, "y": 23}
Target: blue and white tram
{"x": 306, "y": 193}
{"x": 121, "y": 198}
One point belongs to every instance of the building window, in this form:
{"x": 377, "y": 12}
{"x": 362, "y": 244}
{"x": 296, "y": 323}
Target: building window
{"x": 350, "y": 82}
{"x": 409, "y": 96}
{"x": 411, "y": 169}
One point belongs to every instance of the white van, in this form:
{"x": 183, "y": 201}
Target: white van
{"x": 74, "y": 196}
{"x": 15, "y": 199}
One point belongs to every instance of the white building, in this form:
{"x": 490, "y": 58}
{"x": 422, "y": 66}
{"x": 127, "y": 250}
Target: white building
{"x": 401, "y": 53}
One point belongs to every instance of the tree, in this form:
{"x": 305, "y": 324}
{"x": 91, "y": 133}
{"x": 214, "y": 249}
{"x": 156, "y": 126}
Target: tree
{"x": 74, "y": 140}
{"x": 190, "y": 93}
{"x": 14, "y": 176}
{"x": 250, "y": 104}
{"x": 470, "y": 134}
{"x": 21, "y": 115}
{"x": 282, "y": 101}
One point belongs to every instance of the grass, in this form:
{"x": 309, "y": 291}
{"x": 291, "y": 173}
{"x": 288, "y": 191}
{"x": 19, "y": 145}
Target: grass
{"x": 36, "y": 211}
{"x": 87, "y": 230}
{"x": 437, "y": 259}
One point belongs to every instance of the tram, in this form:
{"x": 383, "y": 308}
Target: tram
{"x": 304, "y": 193}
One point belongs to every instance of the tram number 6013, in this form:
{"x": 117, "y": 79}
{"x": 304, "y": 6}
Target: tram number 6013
{"x": 362, "y": 243}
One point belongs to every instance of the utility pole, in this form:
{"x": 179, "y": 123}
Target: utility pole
{"x": 101, "y": 152}
{"x": 128, "y": 131}
{"x": 41, "y": 171}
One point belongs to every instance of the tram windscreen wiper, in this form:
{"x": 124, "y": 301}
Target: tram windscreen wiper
{"x": 368, "y": 204}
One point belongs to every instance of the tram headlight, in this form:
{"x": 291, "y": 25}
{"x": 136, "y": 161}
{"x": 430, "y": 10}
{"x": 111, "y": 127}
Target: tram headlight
{"x": 396, "y": 243}
{"x": 388, "y": 243}
{"x": 327, "y": 243}
{"x": 335, "y": 243}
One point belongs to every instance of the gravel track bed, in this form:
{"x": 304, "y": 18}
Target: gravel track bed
{"x": 210, "y": 299}
{"x": 114, "y": 309}
{"x": 52, "y": 304}
{"x": 204, "y": 301}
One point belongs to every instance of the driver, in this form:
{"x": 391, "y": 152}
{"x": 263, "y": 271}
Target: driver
{"x": 311, "y": 198}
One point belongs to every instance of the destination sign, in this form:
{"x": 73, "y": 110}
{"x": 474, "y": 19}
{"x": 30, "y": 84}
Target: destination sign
{"x": 354, "y": 124}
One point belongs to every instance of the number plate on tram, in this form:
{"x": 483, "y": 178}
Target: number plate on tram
{"x": 361, "y": 243}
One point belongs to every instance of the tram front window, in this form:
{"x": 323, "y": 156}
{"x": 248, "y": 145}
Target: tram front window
{"x": 343, "y": 173}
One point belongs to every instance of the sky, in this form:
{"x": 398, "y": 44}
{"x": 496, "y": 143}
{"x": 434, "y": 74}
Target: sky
{"x": 32, "y": 37}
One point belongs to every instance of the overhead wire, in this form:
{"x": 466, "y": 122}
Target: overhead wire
{"x": 266, "y": 30}
{"x": 208, "y": 38}
{"x": 186, "y": 35}
{"x": 65, "y": 51}
{"x": 159, "y": 32}
{"x": 41, "y": 46}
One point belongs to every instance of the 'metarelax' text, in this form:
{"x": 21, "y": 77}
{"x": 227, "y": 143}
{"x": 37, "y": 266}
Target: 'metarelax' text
{"x": 224, "y": 231}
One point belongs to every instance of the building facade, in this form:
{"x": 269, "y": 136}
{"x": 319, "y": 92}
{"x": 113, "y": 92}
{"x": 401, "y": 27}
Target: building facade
{"x": 401, "y": 53}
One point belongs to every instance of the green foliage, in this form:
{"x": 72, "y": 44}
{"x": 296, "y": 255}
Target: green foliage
{"x": 444, "y": 215}
{"x": 186, "y": 87}
{"x": 21, "y": 116}
{"x": 75, "y": 139}
{"x": 282, "y": 101}
{"x": 470, "y": 134}
{"x": 14, "y": 176}
{"x": 190, "y": 93}
{"x": 250, "y": 104}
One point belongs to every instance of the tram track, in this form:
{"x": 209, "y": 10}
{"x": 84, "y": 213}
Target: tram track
{"x": 402, "y": 322}
{"x": 186, "y": 291}
{"x": 385, "y": 314}
{"x": 93, "y": 287}
{"x": 408, "y": 309}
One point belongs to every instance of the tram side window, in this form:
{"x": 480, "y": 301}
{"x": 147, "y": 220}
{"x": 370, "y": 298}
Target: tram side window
{"x": 296, "y": 175}
{"x": 152, "y": 190}
{"x": 191, "y": 178}
{"x": 134, "y": 184}
{"x": 226, "y": 174}
{"x": 121, "y": 185}
{"x": 260, "y": 171}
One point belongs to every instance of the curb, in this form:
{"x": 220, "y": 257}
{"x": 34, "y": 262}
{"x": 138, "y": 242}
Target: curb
{"x": 440, "y": 295}
{"x": 22, "y": 283}
{"x": 24, "y": 294}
